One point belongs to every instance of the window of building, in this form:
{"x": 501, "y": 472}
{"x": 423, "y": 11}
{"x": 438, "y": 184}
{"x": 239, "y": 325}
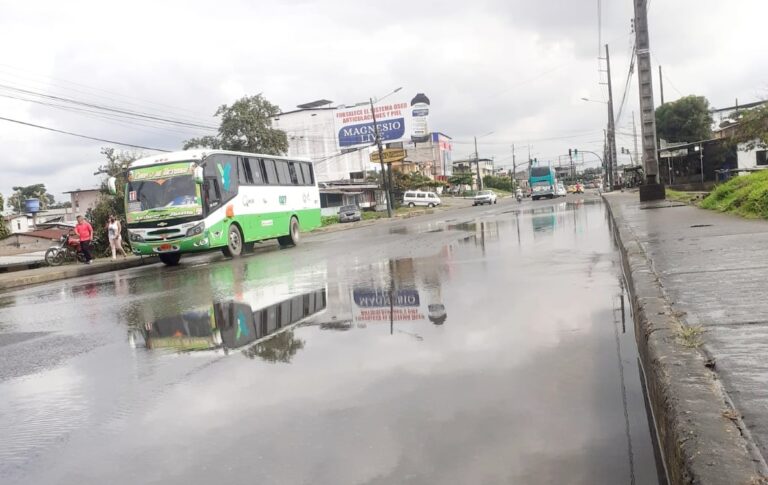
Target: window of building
{"x": 761, "y": 157}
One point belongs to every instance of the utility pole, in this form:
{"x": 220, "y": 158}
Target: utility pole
{"x": 661, "y": 85}
{"x": 652, "y": 189}
{"x": 514, "y": 169}
{"x": 477, "y": 162}
{"x": 634, "y": 138}
{"x": 384, "y": 183}
{"x": 611, "y": 125}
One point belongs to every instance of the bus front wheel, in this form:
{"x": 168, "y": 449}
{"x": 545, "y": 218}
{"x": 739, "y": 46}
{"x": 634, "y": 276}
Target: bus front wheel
{"x": 292, "y": 239}
{"x": 234, "y": 246}
{"x": 170, "y": 259}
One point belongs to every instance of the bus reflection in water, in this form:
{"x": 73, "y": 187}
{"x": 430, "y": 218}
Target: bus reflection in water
{"x": 233, "y": 324}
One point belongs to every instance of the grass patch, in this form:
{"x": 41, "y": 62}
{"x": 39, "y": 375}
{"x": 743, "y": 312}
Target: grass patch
{"x": 684, "y": 197}
{"x": 370, "y": 215}
{"x": 690, "y": 336}
{"x": 746, "y": 196}
{"x": 328, "y": 220}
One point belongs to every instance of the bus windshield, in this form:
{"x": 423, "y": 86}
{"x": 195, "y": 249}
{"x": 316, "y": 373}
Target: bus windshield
{"x": 162, "y": 192}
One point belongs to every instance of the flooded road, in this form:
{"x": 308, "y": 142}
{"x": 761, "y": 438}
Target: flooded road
{"x": 471, "y": 346}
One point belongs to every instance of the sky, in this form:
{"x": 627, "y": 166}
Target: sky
{"x": 515, "y": 69}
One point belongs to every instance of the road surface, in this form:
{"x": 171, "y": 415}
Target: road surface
{"x": 478, "y": 345}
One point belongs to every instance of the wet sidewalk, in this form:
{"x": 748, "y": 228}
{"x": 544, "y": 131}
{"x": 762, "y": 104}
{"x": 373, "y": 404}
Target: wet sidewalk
{"x": 712, "y": 269}
{"x": 17, "y": 279}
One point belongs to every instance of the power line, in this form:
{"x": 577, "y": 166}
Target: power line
{"x": 82, "y": 136}
{"x": 117, "y": 110}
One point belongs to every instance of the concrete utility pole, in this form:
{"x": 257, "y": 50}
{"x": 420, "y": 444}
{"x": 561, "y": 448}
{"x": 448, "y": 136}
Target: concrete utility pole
{"x": 384, "y": 183}
{"x": 514, "y": 169}
{"x": 477, "y": 163}
{"x": 611, "y": 124}
{"x": 661, "y": 85}
{"x": 634, "y": 138}
{"x": 652, "y": 189}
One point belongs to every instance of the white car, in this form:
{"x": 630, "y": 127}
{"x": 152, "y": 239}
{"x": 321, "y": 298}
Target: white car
{"x": 560, "y": 191}
{"x": 413, "y": 198}
{"x": 484, "y": 197}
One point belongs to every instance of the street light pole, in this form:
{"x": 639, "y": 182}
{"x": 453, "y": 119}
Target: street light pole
{"x": 381, "y": 161}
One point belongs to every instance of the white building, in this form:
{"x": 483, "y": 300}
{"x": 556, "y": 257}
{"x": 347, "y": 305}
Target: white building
{"x": 312, "y": 134}
{"x": 311, "y": 131}
{"x": 724, "y": 125}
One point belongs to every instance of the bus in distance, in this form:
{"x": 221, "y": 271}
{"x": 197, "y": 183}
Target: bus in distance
{"x": 543, "y": 182}
{"x": 201, "y": 200}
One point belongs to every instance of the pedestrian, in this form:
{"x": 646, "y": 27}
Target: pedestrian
{"x": 115, "y": 237}
{"x": 84, "y": 231}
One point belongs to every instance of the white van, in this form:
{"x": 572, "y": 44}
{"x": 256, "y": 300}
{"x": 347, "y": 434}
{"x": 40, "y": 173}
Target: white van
{"x": 413, "y": 198}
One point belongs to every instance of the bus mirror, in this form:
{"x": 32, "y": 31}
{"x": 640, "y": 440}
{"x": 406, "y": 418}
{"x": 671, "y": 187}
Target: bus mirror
{"x": 112, "y": 185}
{"x": 199, "y": 175}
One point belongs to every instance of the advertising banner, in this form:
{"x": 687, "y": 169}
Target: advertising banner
{"x": 400, "y": 120}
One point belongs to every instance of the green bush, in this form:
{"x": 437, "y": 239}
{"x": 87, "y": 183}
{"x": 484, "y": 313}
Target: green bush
{"x": 746, "y": 196}
{"x": 368, "y": 215}
{"x": 328, "y": 220}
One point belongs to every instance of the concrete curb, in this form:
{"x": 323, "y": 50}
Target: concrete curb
{"x": 701, "y": 436}
{"x": 18, "y": 279}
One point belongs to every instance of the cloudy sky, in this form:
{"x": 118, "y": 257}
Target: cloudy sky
{"x": 512, "y": 67}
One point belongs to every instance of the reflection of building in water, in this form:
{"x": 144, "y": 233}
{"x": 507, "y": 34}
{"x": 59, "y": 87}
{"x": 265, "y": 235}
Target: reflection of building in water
{"x": 233, "y": 324}
{"x": 404, "y": 290}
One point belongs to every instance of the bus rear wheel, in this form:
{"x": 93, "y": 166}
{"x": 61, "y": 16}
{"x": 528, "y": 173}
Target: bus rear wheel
{"x": 234, "y": 247}
{"x": 170, "y": 259}
{"x": 292, "y": 239}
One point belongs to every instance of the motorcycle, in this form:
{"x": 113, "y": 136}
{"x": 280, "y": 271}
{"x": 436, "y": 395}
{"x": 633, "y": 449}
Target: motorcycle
{"x": 67, "y": 249}
{"x": 519, "y": 198}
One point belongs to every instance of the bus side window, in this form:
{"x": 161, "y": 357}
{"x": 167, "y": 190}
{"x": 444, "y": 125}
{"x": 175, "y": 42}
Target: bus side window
{"x": 244, "y": 174}
{"x": 257, "y": 173}
{"x": 283, "y": 177}
{"x": 270, "y": 171}
{"x": 306, "y": 169}
{"x": 212, "y": 194}
{"x": 295, "y": 172}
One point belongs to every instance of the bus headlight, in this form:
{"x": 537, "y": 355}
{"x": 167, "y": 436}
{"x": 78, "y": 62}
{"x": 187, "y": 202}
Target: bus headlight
{"x": 196, "y": 229}
{"x": 135, "y": 237}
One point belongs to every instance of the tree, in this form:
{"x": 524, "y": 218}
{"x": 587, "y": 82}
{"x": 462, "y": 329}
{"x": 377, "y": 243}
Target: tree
{"x": 752, "y": 129}
{"x": 22, "y": 193}
{"x": 280, "y": 347}
{"x": 117, "y": 163}
{"x": 686, "y": 120}
{"x": 461, "y": 179}
{"x": 246, "y": 126}
{"x": 4, "y": 231}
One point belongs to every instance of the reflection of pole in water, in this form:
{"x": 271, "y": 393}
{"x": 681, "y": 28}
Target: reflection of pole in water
{"x": 517, "y": 223}
{"x": 391, "y": 299}
{"x": 482, "y": 237}
{"x": 630, "y": 452}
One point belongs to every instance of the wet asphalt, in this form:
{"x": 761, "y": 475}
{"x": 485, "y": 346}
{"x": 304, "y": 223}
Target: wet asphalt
{"x": 478, "y": 345}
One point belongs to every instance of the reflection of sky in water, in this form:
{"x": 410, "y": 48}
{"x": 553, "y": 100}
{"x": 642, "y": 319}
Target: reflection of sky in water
{"x": 517, "y": 385}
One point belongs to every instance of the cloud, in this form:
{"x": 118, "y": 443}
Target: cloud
{"x": 516, "y": 68}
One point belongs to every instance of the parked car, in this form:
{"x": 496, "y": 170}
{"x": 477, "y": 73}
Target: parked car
{"x": 413, "y": 198}
{"x": 484, "y": 197}
{"x": 349, "y": 213}
{"x": 560, "y": 190}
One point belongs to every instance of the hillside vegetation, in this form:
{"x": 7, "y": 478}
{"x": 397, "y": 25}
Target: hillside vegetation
{"x": 746, "y": 196}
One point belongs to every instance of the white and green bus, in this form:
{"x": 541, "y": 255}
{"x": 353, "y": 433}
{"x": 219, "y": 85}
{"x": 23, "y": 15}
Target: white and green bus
{"x": 199, "y": 200}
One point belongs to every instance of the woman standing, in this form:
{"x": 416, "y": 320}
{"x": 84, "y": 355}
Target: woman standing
{"x": 115, "y": 239}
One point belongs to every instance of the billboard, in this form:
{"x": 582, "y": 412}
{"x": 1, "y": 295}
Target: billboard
{"x": 400, "y": 120}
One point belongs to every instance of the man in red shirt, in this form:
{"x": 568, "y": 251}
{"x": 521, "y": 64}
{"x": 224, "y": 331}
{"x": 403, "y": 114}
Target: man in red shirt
{"x": 85, "y": 233}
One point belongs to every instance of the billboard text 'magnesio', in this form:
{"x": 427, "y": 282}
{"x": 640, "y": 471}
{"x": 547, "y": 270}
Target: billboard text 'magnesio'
{"x": 403, "y": 120}
{"x": 355, "y": 125}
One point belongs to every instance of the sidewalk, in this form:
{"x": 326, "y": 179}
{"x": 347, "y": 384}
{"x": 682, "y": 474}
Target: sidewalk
{"x": 699, "y": 281}
{"x": 22, "y": 261}
{"x": 45, "y": 274}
